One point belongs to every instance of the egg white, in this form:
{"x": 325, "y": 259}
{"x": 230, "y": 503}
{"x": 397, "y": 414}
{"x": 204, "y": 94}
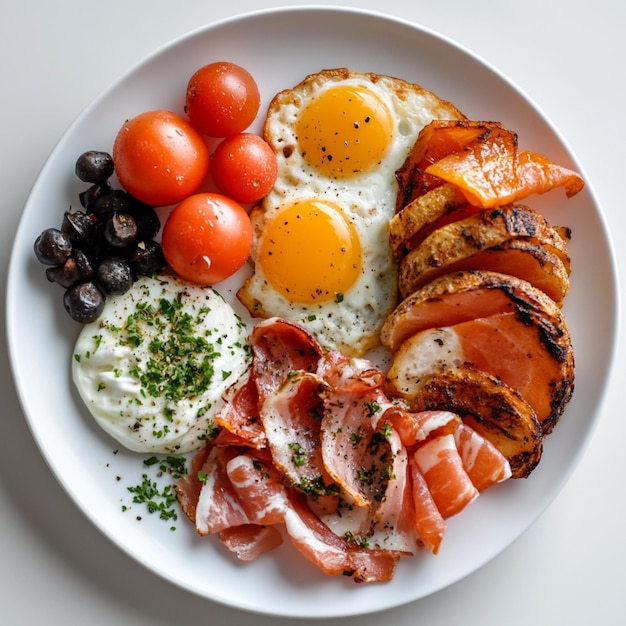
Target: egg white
{"x": 113, "y": 353}
{"x": 350, "y": 323}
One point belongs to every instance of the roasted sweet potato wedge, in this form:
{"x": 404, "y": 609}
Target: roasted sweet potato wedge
{"x": 520, "y": 258}
{"x": 407, "y": 227}
{"x": 459, "y": 241}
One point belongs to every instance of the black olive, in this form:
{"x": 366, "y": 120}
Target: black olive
{"x": 89, "y": 197}
{"x": 115, "y": 275}
{"x": 136, "y": 205}
{"x": 52, "y": 247}
{"x": 115, "y": 200}
{"x": 148, "y": 223}
{"x": 94, "y": 166}
{"x": 147, "y": 258}
{"x": 98, "y": 251}
{"x": 76, "y": 269}
{"x": 120, "y": 230}
{"x": 84, "y": 302}
{"x": 81, "y": 228}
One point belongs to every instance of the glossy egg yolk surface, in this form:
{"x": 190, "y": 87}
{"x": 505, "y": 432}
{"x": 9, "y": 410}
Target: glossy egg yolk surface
{"x": 344, "y": 131}
{"x": 310, "y": 252}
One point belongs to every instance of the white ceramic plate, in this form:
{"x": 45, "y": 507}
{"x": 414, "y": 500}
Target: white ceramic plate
{"x": 279, "y": 47}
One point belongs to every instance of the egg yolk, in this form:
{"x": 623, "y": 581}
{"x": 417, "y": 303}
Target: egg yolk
{"x": 310, "y": 252}
{"x": 344, "y": 131}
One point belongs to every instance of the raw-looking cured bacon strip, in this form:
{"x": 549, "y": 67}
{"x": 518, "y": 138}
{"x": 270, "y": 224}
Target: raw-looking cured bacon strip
{"x": 259, "y": 490}
{"x": 250, "y": 541}
{"x": 353, "y": 480}
{"x": 332, "y": 554}
{"x": 349, "y": 375}
{"x": 451, "y": 488}
{"x": 429, "y": 523}
{"x": 218, "y": 505}
{"x": 483, "y": 462}
{"x": 280, "y": 347}
{"x": 365, "y": 456}
{"x": 266, "y": 501}
{"x": 349, "y": 440}
{"x": 261, "y": 494}
{"x": 189, "y": 486}
{"x": 392, "y": 523}
{"x": 239, "y": 419}
{"x": 416, "y": 427}
{"x": 291, "y": 418}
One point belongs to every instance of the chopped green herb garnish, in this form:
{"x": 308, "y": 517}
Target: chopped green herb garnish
{"x": 356, "y": 437}
{"x": 180, "y": 364}
{"x": 157, "y": 500}
{"x": 299, "y": 456}
{"x": 372, "y": 408}
{"x": 316, "y": 487}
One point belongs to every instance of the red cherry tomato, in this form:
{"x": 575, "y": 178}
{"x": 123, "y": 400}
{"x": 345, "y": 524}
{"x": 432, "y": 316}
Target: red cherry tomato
{"x": 222, "y": 99}
{"x": 207, "y": 238}
{"x": 160, "y": 158}
{"x": 244, "y": 167}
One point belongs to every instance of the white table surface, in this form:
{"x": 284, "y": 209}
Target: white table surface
{"x": 56, "y": 568}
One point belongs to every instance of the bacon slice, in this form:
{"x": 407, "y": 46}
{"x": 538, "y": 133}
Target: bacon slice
{"x": 414, "y": 428}
{"x": 239, "y": 419}
{"x": 258, "y": 488}
{"x": 349, "y": 374}
{"x": 484, "y": 463}
{"x": 189, "y": 486}
{"x": 267, "y": 501}
{"x": 250, "y": 541}
{"x": 218, "y": 505}
{"x": 280, "y": 347}
{"x": 291, "y": 418}
{"x": 365, "y": 457}
{"x": 348, "y": 429}
{"x": 441, "y": 465}
{"x": 392, "y": 524}
{"x": 429, "y": 523}
{"x": 336, "y": 555}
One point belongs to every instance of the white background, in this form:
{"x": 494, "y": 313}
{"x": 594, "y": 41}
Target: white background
{"x": 56, "y": 568}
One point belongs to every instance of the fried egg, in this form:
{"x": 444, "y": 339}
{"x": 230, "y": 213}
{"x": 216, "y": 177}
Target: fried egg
{"x": 153, "y": 369}
{"x": 321, "y": 255}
